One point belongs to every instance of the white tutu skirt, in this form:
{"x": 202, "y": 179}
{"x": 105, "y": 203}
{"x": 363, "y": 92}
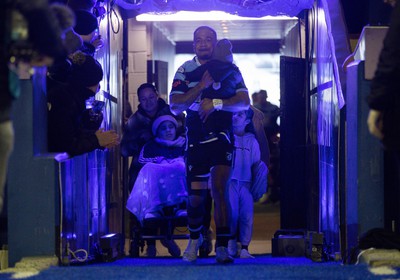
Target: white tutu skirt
{"x": 157, "y": 186}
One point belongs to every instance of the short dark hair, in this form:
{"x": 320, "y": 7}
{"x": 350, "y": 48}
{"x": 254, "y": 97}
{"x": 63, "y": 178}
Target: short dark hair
{"x": 205, "y": 27}
{"x": 144, "y": 86}
{"x": 263, "y": 92}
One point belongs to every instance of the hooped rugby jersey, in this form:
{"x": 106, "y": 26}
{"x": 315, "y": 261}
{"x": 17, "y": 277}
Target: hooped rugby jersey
{"x": 218, "y": 120}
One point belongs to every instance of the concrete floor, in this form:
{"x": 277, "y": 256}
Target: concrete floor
{"x": 266, "y": 223}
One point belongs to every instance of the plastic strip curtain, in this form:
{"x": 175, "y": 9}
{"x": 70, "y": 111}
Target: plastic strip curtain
{"x": 327, "y": 107}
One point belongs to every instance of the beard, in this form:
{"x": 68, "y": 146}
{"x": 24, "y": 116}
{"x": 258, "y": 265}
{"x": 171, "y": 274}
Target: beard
{"x": 205, "y": 56}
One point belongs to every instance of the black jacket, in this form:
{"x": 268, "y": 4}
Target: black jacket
{"x": 66, "y": 107}
{"x": 385, "y": 86}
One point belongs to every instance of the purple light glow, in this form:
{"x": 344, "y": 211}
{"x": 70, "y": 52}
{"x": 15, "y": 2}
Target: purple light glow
{"x": 250, "y": 8}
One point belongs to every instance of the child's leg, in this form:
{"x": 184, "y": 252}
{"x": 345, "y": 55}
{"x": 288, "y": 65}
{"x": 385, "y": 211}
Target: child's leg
{"x": 246, "y": 215}
{"x": 234, "y": 203}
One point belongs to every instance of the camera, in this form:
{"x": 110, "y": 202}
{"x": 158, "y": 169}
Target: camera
{"x": 92, "y": 117}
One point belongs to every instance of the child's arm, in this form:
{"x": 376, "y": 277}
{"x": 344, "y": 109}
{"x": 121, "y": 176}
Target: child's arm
{"x": 147, "y": 155}
{"x": 260, "y": 135}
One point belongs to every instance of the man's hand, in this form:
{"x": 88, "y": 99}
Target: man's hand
{"x": 206, "y": 80}
{"x": 206, "y": 105}
{"x": 107, "y": 139}
{"x": 97, "y": 42}
{"x": 375, "y": 124}
{"x": 181, "y": 102}
{"x": 206, "y": 108}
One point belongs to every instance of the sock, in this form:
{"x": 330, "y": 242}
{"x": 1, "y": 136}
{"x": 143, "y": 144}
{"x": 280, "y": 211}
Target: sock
{"x": 223, "y": 235}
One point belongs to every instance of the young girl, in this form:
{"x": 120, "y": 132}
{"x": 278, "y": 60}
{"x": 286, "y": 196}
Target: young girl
{"x": 161, "y": 181}
{"x": 247, "y": 155}
{"x": 165, "y": 146}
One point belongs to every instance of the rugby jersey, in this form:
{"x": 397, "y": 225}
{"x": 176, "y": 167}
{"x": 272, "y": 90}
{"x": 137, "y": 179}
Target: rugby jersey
{"x": 218, "y": 120}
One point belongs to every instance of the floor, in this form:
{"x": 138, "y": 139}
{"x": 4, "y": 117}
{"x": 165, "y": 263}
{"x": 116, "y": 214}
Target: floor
{"x": 266, "y": 223}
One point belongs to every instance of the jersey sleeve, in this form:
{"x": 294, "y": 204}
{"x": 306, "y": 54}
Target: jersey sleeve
{"x": 179, "y": 85}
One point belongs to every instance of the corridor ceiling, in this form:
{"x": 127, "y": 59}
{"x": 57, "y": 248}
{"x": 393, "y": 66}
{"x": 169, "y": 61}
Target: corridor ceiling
{"x": 179, "y": 31}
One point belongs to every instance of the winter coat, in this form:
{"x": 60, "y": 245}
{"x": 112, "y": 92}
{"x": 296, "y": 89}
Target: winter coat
{"x": 385, "y": 86}
{"x": 66, "y": 107}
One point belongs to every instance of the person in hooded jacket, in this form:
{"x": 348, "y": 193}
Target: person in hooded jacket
{"x": 67, "y": 107}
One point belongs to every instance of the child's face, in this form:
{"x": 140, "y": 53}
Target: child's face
{"x": 239, "y": 119}
{"x": 166, "y": 130}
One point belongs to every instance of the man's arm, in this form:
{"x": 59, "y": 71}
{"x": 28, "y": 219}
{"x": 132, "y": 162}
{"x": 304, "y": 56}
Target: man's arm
{"x": 181, "y": 102}
{"x": 239, "y": 102}
{"x": 385, "y": 83}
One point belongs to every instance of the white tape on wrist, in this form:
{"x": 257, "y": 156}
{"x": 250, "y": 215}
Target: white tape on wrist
{"x": 217, "y": 103}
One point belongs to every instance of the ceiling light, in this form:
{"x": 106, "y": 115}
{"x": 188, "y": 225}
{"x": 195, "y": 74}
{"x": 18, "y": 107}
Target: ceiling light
{"x": 202, "y": 16}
